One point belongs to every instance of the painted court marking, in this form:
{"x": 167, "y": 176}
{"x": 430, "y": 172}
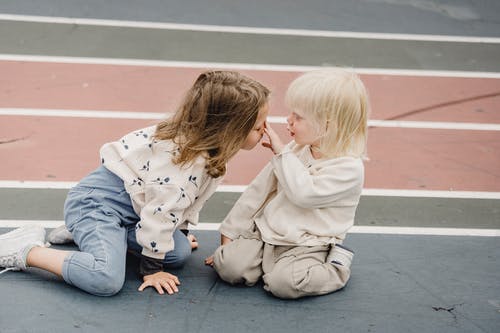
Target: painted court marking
{"x": 273, "y": 120}
{"x": 248, "y": 30}
{"x": 240, "y": 188}
{"x": 354, "y": 230}
{"x": 239, "y": 66}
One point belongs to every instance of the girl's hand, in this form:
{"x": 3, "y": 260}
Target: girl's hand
{"x": 161, "y": 281}
{"x": 275, "y": 143}
{"x": 194, "y": 242}
{"x": 209, "y": 261}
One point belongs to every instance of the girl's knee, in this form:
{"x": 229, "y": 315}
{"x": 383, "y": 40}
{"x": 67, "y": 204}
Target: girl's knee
{"x": 107, "y": 282}
{"x": 181, "y": 252}
{"x": 97, "y": 276}
{"x": 280, "y": 283}
{"x": 108, "y": 286}
{"x": 227, "y": 266}
{"x": 294, "y": 282}
{"x": 232, "y": 269}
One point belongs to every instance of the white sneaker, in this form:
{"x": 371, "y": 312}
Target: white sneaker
{"x": 340, "y": 255}
{"x": 15, "y": 245}
{"x": 60, "y": 235}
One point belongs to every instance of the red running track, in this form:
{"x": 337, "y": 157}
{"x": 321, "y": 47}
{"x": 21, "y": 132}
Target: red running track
{"x": 65, "y": 149}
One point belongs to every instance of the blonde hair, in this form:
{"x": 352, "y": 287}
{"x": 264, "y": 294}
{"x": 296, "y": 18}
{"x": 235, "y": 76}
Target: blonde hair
{"x": 336, "y": 103}
{"x": 214, "y": 119}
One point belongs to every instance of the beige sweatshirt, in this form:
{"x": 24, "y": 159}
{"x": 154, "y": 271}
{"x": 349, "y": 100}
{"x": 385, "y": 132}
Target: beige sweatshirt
{"x": 165, "y": 196}
{"x": 297, "y": 200}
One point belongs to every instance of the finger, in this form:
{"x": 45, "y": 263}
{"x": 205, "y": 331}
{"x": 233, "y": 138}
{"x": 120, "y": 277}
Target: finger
{"x": 174, "y": 278}
{"x": 209, "y": 262}
{"x": 159, "y": 288}
{"x": 266, "y": 144}
{"x": 173, "y": 285}
{"x": 143, "y": 286}
{"x": 167, "y": 287}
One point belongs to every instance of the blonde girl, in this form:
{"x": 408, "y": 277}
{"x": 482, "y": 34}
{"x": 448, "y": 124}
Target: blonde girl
{"x": 151, "y": 184}
{"x": 288, "y": 226}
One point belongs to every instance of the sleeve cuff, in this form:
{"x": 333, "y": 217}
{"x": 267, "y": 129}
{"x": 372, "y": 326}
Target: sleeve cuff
{"x": 150, "y": 266}
{"x": 226, "y": 232}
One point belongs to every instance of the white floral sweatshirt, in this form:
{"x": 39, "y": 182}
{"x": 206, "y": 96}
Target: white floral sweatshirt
{"x": 299, "y": 201}
{"x": 164, "y": 195}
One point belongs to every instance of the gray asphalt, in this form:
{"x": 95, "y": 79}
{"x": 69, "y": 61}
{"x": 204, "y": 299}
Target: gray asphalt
{"x": 438, "y": 17}
{"x": 71, "y": 40}
{"x": 399, "y": 284}
{"x": 47, "y": 204}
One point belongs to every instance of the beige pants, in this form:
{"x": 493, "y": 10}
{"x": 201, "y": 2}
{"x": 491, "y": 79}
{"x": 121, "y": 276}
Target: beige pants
{"x": 287, "y": 271}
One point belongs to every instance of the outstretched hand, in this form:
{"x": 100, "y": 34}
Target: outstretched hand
{"x": 209, "y": 261}
{"x": 161, "y": 281}
{"x": 274, "y": 142}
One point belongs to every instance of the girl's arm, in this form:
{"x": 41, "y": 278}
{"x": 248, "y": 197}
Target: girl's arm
{"x": 240, "y": 217}
{"x": 161, "y": 214}
{"x": 332, "y": 183}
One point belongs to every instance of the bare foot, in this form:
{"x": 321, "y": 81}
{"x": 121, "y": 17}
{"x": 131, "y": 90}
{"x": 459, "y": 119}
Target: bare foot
{"x": 193, "y": 241}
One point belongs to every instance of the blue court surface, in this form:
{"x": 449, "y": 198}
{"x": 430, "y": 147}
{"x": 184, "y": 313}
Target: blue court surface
{"x": 399, "y": 284}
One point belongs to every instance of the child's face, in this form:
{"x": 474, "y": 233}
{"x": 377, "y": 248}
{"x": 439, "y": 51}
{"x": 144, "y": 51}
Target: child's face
{"x": 257, "y": 132}
{"x": 301, "y": 129}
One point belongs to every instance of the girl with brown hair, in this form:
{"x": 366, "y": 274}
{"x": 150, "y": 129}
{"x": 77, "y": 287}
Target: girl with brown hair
{"x": 152, "y": 183}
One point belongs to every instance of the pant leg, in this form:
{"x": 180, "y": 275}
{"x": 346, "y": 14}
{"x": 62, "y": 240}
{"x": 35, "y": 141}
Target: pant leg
{"x": 173, "y": 259}
{"x": 240, "y": 261}
{"x": 302, "y": 271}
{"x": 94, "y": 214}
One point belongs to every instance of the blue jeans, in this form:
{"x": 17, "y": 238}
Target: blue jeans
{"x": 99, "y": 214}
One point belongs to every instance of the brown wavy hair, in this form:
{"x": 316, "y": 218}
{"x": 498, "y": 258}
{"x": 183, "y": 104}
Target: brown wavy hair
{"x": 214, "y": 119}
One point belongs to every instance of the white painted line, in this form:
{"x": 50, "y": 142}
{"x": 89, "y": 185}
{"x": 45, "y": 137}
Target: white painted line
{"x": 430, "y": 194}
{"x": 272, "y": 119}
{"x": 249, "y": 30}
{"x": 415, "y": 124}
{"x": 355, "y": 230}
{"x": 36, "y": 184}
{"x": 231, "y": 188}
{"x": 425, "y": 231}
{"x": 21, "y": 223}
{"x": 239, "y": 66}
{"x": 434, "y": 125}
{"x": 240, "y": 188}
{"x": 80, "y": 113}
